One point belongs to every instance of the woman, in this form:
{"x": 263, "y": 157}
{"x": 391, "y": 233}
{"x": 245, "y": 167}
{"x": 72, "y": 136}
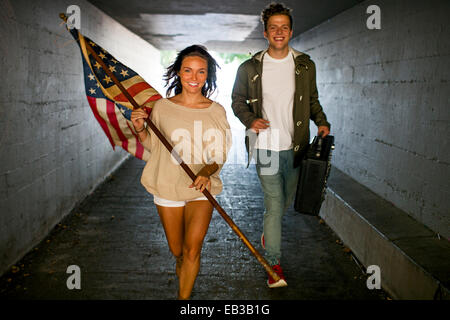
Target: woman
{"x": 188, "y": 120}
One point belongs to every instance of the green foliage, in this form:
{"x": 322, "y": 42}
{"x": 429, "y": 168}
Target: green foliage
{"x": 167, "y": 57}
{"x": 230, "y": 57}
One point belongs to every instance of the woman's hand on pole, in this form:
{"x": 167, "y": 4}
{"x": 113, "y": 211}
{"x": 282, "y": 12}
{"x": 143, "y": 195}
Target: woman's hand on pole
{"x": 200, "y": 183}
{"x": 138, "y": 117}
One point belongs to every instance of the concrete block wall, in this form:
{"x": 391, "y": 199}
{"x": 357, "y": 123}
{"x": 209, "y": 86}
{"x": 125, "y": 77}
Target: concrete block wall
{"x": 387, "y": 95}
{"x": 53, "y": 152}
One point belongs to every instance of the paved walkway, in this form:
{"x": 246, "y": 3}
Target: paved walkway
{"x": 117, "y": 241}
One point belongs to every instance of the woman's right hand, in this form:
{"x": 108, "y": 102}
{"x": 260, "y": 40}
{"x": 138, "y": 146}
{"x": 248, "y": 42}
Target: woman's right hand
{"x": 138, "y": 117}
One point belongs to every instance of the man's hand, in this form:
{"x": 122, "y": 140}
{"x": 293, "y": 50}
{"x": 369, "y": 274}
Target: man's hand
{"x": 259, "y": 124}
{"x": 325, "y": 131}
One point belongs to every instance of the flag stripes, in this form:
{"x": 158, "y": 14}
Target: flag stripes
{"x": 109, "y": 105}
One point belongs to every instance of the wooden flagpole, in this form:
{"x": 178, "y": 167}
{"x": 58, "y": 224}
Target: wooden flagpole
{"x": 188, "y": 170}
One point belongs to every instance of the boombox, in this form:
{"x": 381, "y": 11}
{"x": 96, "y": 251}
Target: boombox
{"x": 312, "y": 182}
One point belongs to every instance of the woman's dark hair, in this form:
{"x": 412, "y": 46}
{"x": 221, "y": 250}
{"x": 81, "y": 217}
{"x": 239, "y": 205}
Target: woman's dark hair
{"x": 173, "y": 80}
{"x": 274, "y": 9}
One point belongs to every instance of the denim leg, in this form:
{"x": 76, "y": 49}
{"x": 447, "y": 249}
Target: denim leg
{"x": 278, "y": 179}
{"x": 291, "y": 176}
{"x": 272, "y": 184}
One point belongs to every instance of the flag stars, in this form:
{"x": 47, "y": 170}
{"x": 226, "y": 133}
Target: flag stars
{"x": 107, "y": 79}
{"x": 112, "y": 68}
{"x": 102, "y": 55}
{"x": 97, "y": 65}
{"x": 92, "y": 43}
{"x": 91, "y": 77}
{"x": 114, "y": 60}
{"x": 92, "y": 90}
{"x": 124, "y": 73}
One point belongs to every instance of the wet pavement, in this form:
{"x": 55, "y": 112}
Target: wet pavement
{"x": 116, "y": 239}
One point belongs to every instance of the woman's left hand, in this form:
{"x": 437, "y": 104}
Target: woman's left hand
{"x": 201, "y": 183}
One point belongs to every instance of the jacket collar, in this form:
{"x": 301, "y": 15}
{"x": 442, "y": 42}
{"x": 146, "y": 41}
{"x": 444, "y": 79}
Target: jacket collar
{"x": 295, "y": 53}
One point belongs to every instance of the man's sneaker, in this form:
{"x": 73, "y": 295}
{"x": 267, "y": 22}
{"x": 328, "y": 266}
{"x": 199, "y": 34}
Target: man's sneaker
{"x": 280, "y": 283}
{"x": 263, "y": 243}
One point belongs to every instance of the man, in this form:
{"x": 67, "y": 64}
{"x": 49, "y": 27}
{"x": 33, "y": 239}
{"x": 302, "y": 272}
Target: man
{"x": 274, "y": 96}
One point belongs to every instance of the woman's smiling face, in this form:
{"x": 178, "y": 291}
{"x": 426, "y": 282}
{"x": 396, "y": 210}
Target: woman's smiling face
{"x": 193, "y": 74}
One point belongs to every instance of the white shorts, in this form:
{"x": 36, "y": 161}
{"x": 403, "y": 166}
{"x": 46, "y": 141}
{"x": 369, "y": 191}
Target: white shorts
{"x": 171, "y": 203}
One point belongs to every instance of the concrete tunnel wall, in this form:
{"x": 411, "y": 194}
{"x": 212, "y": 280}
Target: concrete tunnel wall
{"x": 386, "y": 94}
{"x": 53, "y": 152}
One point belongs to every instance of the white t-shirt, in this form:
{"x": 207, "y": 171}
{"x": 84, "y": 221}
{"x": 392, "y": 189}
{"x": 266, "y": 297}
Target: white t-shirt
{"x": 278, "y": 89}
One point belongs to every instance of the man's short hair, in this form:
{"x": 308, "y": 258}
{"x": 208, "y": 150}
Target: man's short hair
{"x": 275, "y": 9}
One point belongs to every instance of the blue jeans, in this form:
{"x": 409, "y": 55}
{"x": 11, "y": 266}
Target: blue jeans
{"x": 278, "y": 179}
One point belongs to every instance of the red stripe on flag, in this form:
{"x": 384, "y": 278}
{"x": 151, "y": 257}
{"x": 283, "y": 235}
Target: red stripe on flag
{"x": 153, "y": 98}
{"x": 111, "y": 112}
{"x": 139, "y": 147}
{"x": 133, "y": 90}
{"x": 93, "y": 104}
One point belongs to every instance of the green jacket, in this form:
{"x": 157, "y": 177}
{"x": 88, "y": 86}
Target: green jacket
{"x": 247, "y": 100}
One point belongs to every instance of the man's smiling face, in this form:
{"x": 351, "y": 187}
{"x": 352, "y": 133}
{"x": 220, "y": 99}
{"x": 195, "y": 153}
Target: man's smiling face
{"x": 278, "y": 31}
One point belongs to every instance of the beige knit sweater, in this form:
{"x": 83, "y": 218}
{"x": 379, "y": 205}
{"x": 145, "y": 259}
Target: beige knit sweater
{"x": 200, "y": 136}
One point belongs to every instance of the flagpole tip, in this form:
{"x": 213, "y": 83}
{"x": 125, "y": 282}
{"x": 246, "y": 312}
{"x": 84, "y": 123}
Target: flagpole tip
{"x": 63, "y": 16}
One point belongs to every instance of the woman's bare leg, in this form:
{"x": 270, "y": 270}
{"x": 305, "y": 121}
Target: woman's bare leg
{"x": 197, "y": 216}
{"x": 172, "y": 219}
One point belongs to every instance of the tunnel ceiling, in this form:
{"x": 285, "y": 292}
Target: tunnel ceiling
{"x": 221, "y": 25}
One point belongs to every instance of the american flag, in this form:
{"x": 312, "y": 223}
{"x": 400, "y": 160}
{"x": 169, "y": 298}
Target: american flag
{"x": 109, "y": 105}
